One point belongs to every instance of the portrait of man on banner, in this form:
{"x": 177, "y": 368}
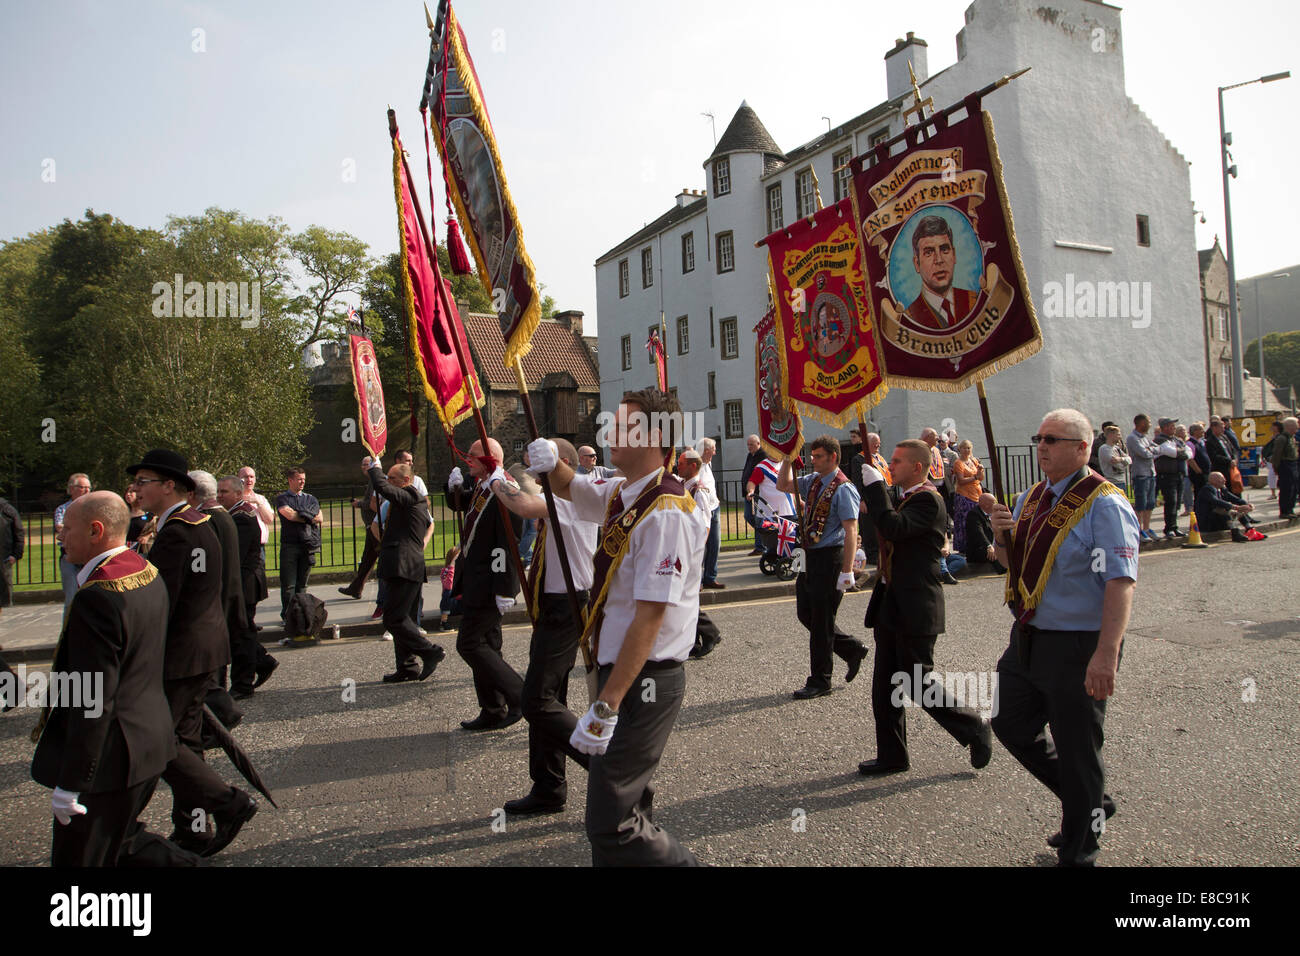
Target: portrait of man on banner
{"x": 779, "y": 430}
{"x": 945, "y": 297}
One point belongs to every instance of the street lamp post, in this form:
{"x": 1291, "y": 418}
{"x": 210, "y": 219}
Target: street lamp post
{"x": 1259, "y": 331}
{"x": 1225, "y": 140}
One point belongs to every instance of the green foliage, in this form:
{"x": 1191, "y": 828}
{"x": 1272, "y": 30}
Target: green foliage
{"x": 336, "y": 263}
{"x": 1281, "y": 358}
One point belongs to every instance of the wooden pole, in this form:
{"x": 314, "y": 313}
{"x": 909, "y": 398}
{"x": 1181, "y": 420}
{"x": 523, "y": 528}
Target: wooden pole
{"x": 998, "y": 490}
{"x": 465, "y": 373}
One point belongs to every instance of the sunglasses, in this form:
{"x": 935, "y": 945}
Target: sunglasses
{"x": 1051, "y": 439}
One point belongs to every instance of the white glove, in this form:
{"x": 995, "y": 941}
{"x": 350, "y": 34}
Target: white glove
{"x": 845, "y": 581}
{"x": 592, "y": 735}
{"x": 498, "y": 475}
{"x": 543, "y": 456}
{"x": 66, "y": 806}
{"x": 504, "y": 604}
{"x": 870, "y": 476}
{"x": 455, "y": 479}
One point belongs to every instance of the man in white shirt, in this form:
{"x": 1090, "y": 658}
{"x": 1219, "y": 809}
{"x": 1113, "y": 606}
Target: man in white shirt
{"x": 707, "y": 636}
{"x": 707, "y": 449}
{"x": 265, "y": 513}
{"x": 554, "y": 645}
{"x": 642, "y": 623}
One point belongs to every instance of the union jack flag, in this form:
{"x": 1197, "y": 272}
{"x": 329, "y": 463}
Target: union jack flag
{"x": 786, "y": 537}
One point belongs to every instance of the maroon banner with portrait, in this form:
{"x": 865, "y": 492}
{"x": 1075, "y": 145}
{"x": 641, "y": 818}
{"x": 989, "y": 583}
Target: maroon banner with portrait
{"x": 373, "y": 418}
{"x": 944, "y": 271}
{"x": 779, "y": 430}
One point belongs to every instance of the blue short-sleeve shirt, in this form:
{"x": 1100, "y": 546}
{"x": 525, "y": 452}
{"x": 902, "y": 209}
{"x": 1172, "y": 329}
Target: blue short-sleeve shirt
{"x": 844, "y": 507}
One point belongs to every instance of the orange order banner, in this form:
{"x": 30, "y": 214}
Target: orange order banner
{"x": 370, "y": 394}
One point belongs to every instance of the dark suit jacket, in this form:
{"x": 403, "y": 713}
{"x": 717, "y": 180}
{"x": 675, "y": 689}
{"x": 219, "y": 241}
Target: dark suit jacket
{"x": 1214, "y": 508}
{"x": 120, "y": 634}
{"x": 921, "y": 312}
{"x": 979, "y": 536}
{"x": 252, "y": 570}
{"x": 401, "y": 551}
{"x": 197, "y": 638}
{"x": 232, "y": 583}
{"x": 913, "y": 602}
{"x": 1220, "y": 452}
{"x": 12, "y": 535}
{"x": 476, "y": 583}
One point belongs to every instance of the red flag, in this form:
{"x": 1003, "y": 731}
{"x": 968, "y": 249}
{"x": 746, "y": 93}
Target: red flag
{"x": 655, "y": 346}
{"x": 434, "y": 322}
{"x": 370, "y": 394}
{"x": 780, "y": 431}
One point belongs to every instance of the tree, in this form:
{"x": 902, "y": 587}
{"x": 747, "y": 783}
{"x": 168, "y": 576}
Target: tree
{"x": 339, "y": 263}
{"x": 1281, "y": 358}
{"x": 22, "y": 419}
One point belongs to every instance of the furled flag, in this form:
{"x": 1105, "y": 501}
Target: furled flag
{"x": 825, "y": 330}
{"x": 477, "y": 183}
{"x": 431, "y": 310}
{"x": 943, "y": 266}
{"x": 779, "y": 429}
{"x": 370, "y": 393}
{"x": 655, "y": 346}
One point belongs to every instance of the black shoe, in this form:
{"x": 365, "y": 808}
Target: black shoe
{"x": 401, "y": 677}
{"x": 229, "y": 829}
{"x": 981, "y": 748}
{"x": 241, "y": 693}
{"x": 1057, "y": 839}
{"x": 531, "y": 804}
{"x": 999, "y": 569}
{"x": 1239, "y": 536}
{"x": 756, "y": 552}
{"x": 432, "y": 658}
{"x": 351, "y": 594}
{"x": 704, "y": 650}
{"x": 486, "y": 721}
{"x": 874, "y": 768}
{"x": 855, "y": 664}
{"x": 189, "y": 842}
{"x": 947, "y": 578}
{"x": 808, "y": 692}
{"x": 265, "y": 670}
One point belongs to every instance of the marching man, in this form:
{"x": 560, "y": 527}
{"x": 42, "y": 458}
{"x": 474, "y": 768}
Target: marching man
{"x": 641, "y": 624}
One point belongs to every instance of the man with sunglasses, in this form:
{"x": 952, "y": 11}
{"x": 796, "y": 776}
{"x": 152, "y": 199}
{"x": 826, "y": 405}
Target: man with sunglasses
{"x": 1072, "y": 547}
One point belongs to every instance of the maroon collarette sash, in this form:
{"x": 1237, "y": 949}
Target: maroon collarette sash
{"x": 476, "y": 505}
{"x": 818, "y": 506}
{"x": 616, "y": 534}
{"x": 536, "y": 569}
{"x": 887, "y": 547}
{"x": 1039, "y": 533}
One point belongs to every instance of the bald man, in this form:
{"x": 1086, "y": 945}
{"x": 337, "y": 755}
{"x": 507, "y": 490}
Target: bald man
{"x": 102, "y": 754}
{"x": 486, "y": 584}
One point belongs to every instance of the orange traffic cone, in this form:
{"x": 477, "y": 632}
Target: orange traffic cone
{"x": 1194, "y": 537}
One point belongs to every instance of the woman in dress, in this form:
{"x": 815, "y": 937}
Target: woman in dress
{"x": 967, "y": 482}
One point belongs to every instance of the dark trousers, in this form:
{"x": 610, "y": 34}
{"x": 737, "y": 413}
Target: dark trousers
{"x": 369, "y": 555}
{"x": 400, "y": 606}
{"x": 712, "y": 546}
{"x": 898, "y": 653}
{"x": 816, "y": 601}
{"x": 96, "y": 838}
{"x": 867, "y": 540}
{"x": 1288, "y": 483}
{"x": 1171, "y": 490}
{"x": 295, "y": 563}
{"x": 498, "y": 687}
{"x": 246, "y": 655}
{"x": 752, "y": 522}
{"x": 551, "y": 654}
{"x": 194, "y": 784}
{"x": 1040, "y": 684}
{"x": 620, "y": 812}
{"x": 707, "y": 634}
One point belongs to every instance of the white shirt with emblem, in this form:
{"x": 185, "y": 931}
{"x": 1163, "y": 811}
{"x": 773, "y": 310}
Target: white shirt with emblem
{"x": 580, "y": 544}
{"x": 664, "y": 562}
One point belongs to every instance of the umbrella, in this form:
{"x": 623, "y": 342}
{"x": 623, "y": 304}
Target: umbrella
{"x": 214, "y": 726}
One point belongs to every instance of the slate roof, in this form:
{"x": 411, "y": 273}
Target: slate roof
{"x": 667, "y": 220}
{"x": 555, "y": 349}
{"x": 746, "y": 132}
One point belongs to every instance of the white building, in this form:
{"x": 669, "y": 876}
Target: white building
{"x": 1098, "y": 196}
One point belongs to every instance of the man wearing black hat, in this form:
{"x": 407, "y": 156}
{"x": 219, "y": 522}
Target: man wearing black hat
{"x": 1171, "y": 452}
{"x": 187, "y": 554}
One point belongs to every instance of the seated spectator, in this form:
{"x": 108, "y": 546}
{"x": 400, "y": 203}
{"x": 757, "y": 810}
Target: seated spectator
{"x": 1216, "y": 506}
{"x": 979, "y": 536}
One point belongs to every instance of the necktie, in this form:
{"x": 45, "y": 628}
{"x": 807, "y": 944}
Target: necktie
{"x": 947, "y": 310}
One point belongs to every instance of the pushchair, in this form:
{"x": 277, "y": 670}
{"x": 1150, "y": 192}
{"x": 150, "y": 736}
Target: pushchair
{"x": 779, "y": 537}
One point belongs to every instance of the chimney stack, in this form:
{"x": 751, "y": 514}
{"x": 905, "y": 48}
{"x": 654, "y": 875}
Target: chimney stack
{"x": 571, "y": 319}
{"x": 911, "y": 50}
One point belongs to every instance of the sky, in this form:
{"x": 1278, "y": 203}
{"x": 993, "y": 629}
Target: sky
{"x": 147, "y": 108}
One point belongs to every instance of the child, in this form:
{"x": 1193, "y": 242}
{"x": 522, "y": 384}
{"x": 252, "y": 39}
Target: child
{"x": 448, "y": 606}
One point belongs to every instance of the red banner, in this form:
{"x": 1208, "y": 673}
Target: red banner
{"x": 779, "y": 430}
{"x": 370, "y": 394}
{"x": 830, "y": 360}
{"x": 655, "y": 346}
{"x": 944, "y": 270}
{"x": 435, "y": 324}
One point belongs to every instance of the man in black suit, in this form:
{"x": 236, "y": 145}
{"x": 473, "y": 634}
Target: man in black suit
{"x": 250, "y": 664}
{"x": 486, "y": 583}
{"x": 401, "y": 566}
{"x": 979, "y": 535}
{"x": 1216, "y": 506}
{"x": 907, "y": 612}
{"x": 187, "y": 554}
{"x": 103, "y": 756}
{"x": 204, "y": 499}
{"x": 1219, "y": 448}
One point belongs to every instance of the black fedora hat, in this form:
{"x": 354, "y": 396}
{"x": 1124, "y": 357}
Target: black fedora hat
{"x": 169, "y": 464}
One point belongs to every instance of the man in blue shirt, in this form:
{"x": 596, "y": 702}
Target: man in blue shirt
{"x": 299, "y": 536}
{"x": 1064, "y": 653}
{"x": 829, "y": 540}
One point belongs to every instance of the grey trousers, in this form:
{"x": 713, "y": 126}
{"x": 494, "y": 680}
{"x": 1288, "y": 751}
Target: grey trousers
{"x": 620, "y": 822}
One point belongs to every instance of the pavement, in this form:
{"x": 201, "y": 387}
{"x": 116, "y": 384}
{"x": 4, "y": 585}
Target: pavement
{"x": 1202, "y": 748}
